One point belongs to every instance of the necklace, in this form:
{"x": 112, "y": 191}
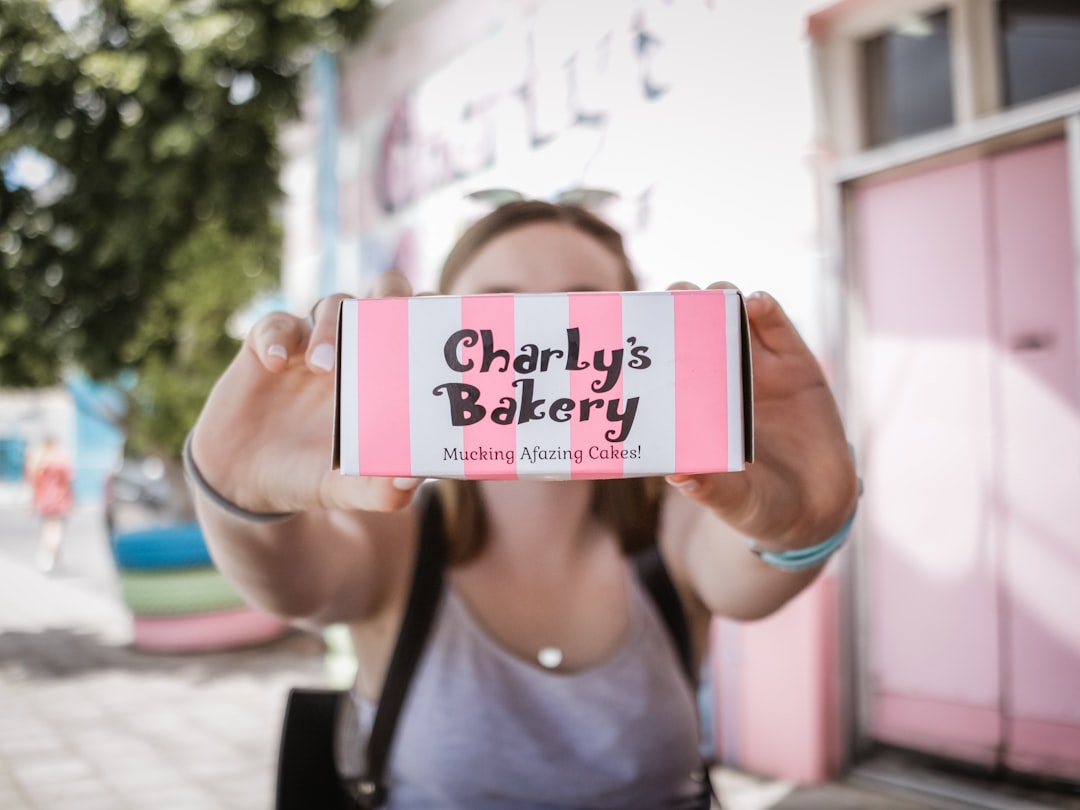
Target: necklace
{"x": 549, "y": 657}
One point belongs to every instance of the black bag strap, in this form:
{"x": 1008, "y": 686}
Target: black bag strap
{"x": 654, "y": 576}
{"x": 306, "y": 774}
{"x": 427, "y": 582}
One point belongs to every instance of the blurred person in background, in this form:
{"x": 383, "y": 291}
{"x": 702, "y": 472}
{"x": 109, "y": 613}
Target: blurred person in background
{"x": 51, "y": 476}
{"x": 548, "y": 679}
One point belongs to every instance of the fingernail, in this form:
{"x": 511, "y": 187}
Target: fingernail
{"x": 323, "y": 357}
{"x": 690, "y": 485}
{"x": 405, "y": 484}
{"x": 277, "y": 350}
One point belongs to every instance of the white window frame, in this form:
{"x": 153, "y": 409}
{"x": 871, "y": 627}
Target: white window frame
{"x": 838, "y": 53}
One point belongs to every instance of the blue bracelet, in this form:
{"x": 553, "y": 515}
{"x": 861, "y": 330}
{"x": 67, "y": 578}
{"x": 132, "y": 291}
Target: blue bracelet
{"x": 803, "y": 559}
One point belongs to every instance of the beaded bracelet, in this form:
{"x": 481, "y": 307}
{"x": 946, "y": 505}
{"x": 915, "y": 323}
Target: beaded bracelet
{"x": 219, "y": 500}
{"x": 803, "y": 559}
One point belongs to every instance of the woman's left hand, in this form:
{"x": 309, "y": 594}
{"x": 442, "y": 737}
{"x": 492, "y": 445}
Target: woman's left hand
{"x": 802, "y": 486}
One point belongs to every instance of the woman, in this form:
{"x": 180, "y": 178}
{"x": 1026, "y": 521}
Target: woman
{"x": 50, "y": 474}
{"x": 548, "y": 680}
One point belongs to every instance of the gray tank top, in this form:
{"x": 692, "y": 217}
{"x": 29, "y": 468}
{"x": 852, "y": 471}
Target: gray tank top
{"x": 481, "y": 729}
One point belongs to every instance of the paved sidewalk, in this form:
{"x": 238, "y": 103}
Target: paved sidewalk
{"x": 89, "y": 722}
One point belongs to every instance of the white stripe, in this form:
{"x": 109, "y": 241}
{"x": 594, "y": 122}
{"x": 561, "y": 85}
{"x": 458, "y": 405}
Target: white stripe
{"x": 432, "y": 320}
{"x": 650, "y": 317}
{"x": 733, "y": 321}
{"x": 541, "y": 320}
{"x": 348, "y": 440}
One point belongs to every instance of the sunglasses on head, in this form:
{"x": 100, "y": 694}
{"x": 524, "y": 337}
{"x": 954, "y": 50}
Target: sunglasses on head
{"x": 590, "y": 198}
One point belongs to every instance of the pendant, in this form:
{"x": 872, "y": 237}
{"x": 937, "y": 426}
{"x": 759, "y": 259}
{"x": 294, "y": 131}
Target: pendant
{"x": 549, "y": 657}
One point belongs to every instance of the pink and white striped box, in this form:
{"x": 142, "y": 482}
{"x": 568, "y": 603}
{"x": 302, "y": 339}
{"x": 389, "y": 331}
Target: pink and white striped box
{"x": 562, "y": 385}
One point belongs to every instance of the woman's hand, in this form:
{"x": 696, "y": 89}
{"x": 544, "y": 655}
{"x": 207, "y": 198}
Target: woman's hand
{"x": 264, "y": 438}
{"x": 802, "y": 485}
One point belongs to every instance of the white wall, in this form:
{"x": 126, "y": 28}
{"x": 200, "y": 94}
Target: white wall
{"x": 715, "y": 175}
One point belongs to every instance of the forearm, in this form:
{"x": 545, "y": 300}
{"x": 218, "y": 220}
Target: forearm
{"x": 292, "y": 564}
{"x": 744, "y": 577}
{"x": 280, "y": 567}
{"x": 734, "y": 582}
{"x": 800, "y": 490}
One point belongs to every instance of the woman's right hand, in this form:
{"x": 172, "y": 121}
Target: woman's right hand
{"x": 264, "y": 437}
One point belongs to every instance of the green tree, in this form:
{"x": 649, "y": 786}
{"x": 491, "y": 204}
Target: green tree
{"x": 138, "y": 183}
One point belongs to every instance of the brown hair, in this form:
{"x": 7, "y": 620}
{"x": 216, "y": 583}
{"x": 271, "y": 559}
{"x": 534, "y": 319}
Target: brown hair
{"x": 530, "y": 212}
{"x": 631, "y": 506}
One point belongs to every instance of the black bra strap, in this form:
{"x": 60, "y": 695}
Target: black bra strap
{"x": 419, "y": 615}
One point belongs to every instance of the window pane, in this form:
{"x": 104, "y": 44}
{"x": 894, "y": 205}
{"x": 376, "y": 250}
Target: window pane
{"x": 908, "y": 78}
{"x": 1040, "y": 47}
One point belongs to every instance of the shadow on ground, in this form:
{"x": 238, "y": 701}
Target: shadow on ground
{"x": 60, "y": 653}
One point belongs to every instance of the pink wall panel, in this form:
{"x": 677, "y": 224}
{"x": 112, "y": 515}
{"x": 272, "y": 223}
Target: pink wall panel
{"x": 1035, "y": 275}
{"x": 927, "y": 450}
{"x": 944, "y": 727}
{"x": 1039, "y": 395}
{"x": 970, "y": 389}
{"x": 788, "y": 721}
{"x": 1043, "y": 747}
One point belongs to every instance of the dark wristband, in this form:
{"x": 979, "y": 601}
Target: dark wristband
{"x": 219, "y": 500}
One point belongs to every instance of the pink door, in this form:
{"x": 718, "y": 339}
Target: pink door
{"x": 969, "y": 391}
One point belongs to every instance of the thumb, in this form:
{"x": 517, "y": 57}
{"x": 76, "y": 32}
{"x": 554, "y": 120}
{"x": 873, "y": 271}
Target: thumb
{"x": 770, "y": 327}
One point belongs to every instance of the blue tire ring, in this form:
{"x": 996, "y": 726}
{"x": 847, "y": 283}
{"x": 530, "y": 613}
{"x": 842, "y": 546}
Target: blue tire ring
{"x": 173, "y": 593}
{"x": 162, "y": 548}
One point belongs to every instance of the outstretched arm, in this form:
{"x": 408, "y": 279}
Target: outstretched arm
{"x": 263, "y": 443}
{"x": 800, "y": 490}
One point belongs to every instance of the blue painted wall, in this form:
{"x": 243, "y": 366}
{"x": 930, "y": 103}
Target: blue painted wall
{"x": 98, "y": 441}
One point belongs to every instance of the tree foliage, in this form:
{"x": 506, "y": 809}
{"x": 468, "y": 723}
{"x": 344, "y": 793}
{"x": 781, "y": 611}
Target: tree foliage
{"x": 151, "y": 130}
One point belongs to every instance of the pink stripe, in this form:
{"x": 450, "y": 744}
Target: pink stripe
{"x": 701, "y": 347}
{"x": 598, "y": 317}
{"x": 382, "y": 411}
{"x": 964, "y": 731}
{"x": 1045, "y": 746}
{"x": 496, "y": 313}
